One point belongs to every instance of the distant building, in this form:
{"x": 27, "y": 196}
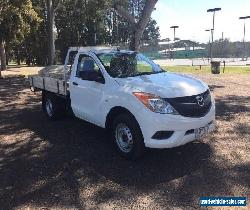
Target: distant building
{"x": 181, "y": 49}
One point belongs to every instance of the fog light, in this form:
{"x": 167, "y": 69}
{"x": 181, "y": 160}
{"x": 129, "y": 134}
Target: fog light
{"x": 160, "y": 135}
{"x": 191, "y": 131}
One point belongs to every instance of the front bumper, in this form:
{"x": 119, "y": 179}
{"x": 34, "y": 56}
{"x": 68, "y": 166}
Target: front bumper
{"x": 179, "y": 124}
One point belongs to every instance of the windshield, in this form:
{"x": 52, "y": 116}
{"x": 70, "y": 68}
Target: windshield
{"x": 128, "y": 64}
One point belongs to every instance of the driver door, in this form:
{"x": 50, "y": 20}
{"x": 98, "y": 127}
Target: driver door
{"x": 85, "y": 93}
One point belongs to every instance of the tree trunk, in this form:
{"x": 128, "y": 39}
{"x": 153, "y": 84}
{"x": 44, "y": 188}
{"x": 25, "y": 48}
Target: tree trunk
{"x": 18, "y": 57}
{"x": 28, "y": 60}
{"x": 51, "y": 41}
{"x": 7, "y": 58}
{"x": 7, "y": 54}
{"x": 140, "y": 26}
{"x": 136, "y": 39}
{"x": 3, "y": 56}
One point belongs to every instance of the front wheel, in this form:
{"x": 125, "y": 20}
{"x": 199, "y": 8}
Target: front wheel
{"x": 128, "y": 137}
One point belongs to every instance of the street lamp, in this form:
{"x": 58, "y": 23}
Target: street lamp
{"x": 244, "y": 34}
{"x": 209, "y": 41}
{"x": 209, "y": 30}
{"x": 168, "y": 40}
{"x": 174, "y": 27}
{"x": 212, "y": 31}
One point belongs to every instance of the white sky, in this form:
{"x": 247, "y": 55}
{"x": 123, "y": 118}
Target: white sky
{"x": 192, "y": 18}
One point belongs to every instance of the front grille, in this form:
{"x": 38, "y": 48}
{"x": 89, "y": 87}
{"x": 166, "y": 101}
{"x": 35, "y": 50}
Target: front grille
{"x": 188, "y": 106}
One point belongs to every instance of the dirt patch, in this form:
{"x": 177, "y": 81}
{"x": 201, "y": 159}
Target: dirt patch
{"x": 71, "y": 164}
{"x": 15, "y": 71}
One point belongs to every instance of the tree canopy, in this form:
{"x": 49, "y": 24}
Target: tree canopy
{"x": 28, "y": 26}
{"x": 16, "y": 19}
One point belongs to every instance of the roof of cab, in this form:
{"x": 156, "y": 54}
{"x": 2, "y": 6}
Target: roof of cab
{"x": 99, "y": 49}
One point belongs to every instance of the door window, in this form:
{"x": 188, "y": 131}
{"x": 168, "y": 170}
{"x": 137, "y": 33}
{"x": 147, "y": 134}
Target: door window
{"x": 87, "y": 68}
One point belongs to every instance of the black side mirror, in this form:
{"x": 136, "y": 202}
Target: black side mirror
{"x": 82, "y": 75}
{"x": 92, "y": 76}
{"x": 96, "y": 76}
{"x": 100, "y": 79}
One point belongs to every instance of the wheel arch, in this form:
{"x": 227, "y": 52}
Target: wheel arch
{"x": 139, "y": 147}
{"x": 114, "y": 112}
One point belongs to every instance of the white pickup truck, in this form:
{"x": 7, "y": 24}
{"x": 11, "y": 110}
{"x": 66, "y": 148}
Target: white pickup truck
{"x": 129, "y": 95}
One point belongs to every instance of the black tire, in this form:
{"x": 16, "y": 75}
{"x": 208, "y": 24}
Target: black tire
{"x": 57, "y": 109}
{"x": 137, "y": 148}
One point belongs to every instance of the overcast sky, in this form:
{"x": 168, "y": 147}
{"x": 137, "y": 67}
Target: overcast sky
{"x": 192, "y": 18}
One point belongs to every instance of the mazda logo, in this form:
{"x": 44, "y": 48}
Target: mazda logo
{"x": 200, "y": 101}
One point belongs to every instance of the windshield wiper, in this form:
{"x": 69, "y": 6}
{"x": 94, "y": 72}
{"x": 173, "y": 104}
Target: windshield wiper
{"x": 140, "y": 74}
{"x": 148, "y": 73}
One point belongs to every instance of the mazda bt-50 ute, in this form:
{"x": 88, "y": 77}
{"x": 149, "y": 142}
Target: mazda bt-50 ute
{"x": 140, "y": 104}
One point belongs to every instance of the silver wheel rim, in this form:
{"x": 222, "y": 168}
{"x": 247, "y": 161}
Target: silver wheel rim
{"x": 49, "y": 107}
{"x": 123, "y": 137}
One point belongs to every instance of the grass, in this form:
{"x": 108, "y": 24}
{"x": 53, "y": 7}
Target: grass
{"x": 207, "y": 69}
{"x": 26, "y": 71}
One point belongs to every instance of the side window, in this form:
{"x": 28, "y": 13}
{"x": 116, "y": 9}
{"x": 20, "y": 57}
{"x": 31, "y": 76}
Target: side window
{"x": 72, "y": 56}
{"x": 86, "y": 65}
{"x": 71, "y": 59}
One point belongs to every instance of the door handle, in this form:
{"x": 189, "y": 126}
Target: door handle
{"x": 74, "y": 83}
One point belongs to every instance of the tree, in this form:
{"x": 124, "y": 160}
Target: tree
{"x": 16, "y": 16}
{"x": 4, "y": 9}
{"x": 81, "y": 23}
{"x": 151, "y": 33}
{"x": 139, "y": 25}
{"x": 64, "y": 23}
{"x": 74, "y": 20}
{"x": 51, "y": 7}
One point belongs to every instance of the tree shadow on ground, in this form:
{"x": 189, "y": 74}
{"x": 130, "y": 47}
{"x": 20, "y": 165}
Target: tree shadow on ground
{"x": 228, "y": 106}
{"x": 213, "y": 87}
{"x": 72, "y": 163}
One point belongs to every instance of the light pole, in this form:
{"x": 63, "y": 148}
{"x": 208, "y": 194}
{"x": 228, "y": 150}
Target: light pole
{"x": 174, "y": 28}
{"x": 212, "y": 31}
{"x": 244, "y": 34}
{"x": 209, "y": 41}
{"x": 168, "y": 40}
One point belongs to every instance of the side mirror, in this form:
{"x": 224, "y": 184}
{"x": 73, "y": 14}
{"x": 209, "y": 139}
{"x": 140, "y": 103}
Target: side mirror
{"x": 82, "y": 75}
{"x": 92, "y": 76}
{"x": 95, "y": 76}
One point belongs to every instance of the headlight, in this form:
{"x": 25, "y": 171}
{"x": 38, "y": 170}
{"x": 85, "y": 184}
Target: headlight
{"x": 155, "y": 103}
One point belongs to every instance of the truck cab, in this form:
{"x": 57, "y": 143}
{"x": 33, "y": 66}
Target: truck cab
{"x": 140, "y": 104}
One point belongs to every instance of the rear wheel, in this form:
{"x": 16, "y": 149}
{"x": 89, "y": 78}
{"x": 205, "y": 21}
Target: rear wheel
{"x": 52, "y": 106}
{"x": 127, "y": 136}
{"x": 49, "y": 107}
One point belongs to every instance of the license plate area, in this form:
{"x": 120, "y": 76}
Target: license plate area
{"x": 201, "y": 132}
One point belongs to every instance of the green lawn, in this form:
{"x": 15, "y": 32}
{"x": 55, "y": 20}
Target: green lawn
{"x": 196, "y": 69}
{"x": 12, "y": 71}
{"x": 207, "y": 69}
